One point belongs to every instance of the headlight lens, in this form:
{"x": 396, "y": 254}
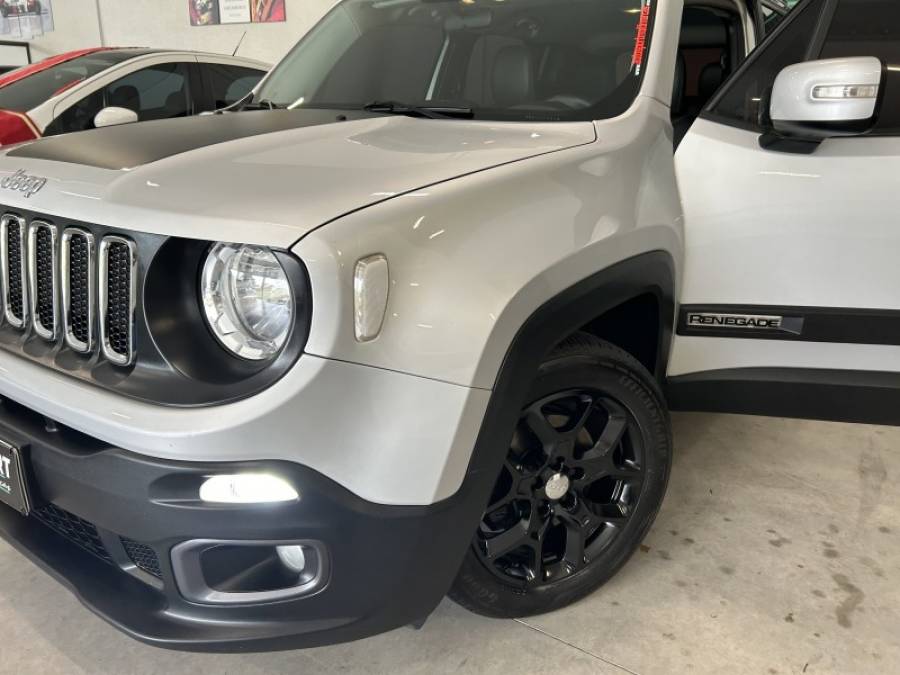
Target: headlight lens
{"x": 248, "y": 300}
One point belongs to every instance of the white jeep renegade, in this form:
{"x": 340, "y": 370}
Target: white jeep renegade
{"x": 401, "y": 323}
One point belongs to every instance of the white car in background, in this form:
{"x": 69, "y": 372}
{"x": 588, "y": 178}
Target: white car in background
{"x": 91, "y": 88}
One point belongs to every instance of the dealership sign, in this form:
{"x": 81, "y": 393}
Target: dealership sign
{"x": 219, "y": 12}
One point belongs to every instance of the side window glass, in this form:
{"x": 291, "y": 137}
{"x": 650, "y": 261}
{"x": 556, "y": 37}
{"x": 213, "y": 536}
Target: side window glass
{"x": 155, "y": 93}
{"x": 230, "y": 84}
{"x": 771, "y": 19}
{"x": 79, "y": 117}
{"x": 871, "y": 28}
{"x": 746, "y": 94}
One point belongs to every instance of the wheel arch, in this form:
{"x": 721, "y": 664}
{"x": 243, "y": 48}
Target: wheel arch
{"x": 581, "y": 306}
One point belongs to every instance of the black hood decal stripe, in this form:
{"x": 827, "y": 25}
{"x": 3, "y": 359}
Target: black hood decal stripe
{"x": 133, "y": 145}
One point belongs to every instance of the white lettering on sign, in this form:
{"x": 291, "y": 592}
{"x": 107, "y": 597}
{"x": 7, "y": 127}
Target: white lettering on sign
{"x": 234, "y": 11}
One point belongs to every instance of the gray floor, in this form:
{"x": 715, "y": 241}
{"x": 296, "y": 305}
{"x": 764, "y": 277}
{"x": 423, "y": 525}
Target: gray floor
{"x": 777, "y": 551}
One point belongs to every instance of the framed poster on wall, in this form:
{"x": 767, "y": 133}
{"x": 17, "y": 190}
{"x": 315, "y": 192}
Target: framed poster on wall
{"x": 221, "y": 12}
{"x": 25, "y": 18}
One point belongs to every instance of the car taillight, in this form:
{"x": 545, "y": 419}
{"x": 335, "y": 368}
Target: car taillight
{"x": 16, "y": 128}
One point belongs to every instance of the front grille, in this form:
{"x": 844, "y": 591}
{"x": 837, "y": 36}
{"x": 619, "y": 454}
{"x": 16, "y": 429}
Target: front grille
{"x": 65, "y": 281}
{"x": 78, "y": 284}
{"x": 117, "y": 301}
{"x": 12, "y": 241}
{"x": 75, "y": 529}
{"x": 116, "y": 272}
{"x": 142, "y": 556}
{"x": 43, "y": 274}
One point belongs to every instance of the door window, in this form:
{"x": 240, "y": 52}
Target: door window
{"x": 746, "y": 96}
{"x": 154, "y": 93}
{"x": 858, "y": 28}
{"x": 229, "y": 84}
{"x": 710, "y": 47}
{"x": 771, "y": 18}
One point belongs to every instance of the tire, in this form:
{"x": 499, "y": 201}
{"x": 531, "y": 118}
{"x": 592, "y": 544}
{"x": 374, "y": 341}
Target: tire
{"x": 584, "y": 477}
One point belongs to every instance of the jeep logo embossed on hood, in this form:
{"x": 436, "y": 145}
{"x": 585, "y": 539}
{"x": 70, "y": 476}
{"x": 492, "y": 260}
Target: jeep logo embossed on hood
{"x": 22, "y": 182}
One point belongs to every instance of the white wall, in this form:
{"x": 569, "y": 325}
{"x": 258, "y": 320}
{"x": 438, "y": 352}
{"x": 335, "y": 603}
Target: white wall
{"x": 165, "y": 24}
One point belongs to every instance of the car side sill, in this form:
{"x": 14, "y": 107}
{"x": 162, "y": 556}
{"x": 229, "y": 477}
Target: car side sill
{"x": 837, "y": 395}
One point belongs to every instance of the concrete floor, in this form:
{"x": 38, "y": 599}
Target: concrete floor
{"x": 777, "y": 551}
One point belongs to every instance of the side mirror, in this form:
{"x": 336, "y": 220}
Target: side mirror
{"x": 112, "y": 116}
{"x": 816, "y": 100}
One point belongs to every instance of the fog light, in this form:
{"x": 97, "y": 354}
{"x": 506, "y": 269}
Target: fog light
{"x": 247, "y": 488}
{"x": 292, "y": 557}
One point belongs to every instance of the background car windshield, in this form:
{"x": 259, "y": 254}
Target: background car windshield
{"x": 33, "y": 90}
{"x": 516, "y": 59}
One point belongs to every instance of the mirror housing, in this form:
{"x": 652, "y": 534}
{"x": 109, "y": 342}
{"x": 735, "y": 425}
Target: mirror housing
{"x": 113, "y": 116}
{"x": 815, "y": 100}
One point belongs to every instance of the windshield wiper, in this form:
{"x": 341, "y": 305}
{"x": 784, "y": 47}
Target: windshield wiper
{"x": 430, "y": 112}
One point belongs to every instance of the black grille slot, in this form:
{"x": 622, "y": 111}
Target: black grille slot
{"x": 79, "y": 307}
{"x": 15, "y": 297}
{"x": 77, "y": 530}
{"x": 45, "y": 276}
{"x": 119, "y": 307}
{"x": 142, "y": 556}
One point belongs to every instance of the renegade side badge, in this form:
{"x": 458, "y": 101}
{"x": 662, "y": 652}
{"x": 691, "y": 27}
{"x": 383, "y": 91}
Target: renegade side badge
{"x": 700, "y": 320}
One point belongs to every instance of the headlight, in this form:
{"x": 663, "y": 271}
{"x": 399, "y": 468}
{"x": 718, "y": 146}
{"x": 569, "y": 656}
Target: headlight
{"x": 248, "y": 300}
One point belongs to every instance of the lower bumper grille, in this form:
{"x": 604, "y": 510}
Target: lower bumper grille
{"x": 142, "y": 556}
{"x": 75, "y": 529}
{"x": 84, "y": 533}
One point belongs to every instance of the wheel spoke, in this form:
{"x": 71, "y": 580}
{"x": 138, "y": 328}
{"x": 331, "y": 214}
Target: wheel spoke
{"x": 540, "y": 426}
{"x": 580, "y": 516}
{"x": 629, "y": 474}
{"x": 613, "y": 514}
{"x": 536, "y": 542}
{"x": 503, "y": 543}
{"x": 589, "y": 403}
{"x": 575, "y": 542}
{"x": 612, "y": 434}
{"x": 519, "y": 487}
{"x": 599, "y": 460}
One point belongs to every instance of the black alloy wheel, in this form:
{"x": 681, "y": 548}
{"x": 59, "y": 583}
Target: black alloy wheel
{"x": 581, "y": 483}
{"x": 568, "y": 487}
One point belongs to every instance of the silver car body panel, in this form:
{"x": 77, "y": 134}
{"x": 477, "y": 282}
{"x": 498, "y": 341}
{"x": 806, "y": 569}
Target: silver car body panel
{"x": 273, "y": 188}
{"x": 482, "y": 223}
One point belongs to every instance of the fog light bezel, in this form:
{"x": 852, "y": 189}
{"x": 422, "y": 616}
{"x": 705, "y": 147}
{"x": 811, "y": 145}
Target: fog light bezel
{"x": 191, "y": 582}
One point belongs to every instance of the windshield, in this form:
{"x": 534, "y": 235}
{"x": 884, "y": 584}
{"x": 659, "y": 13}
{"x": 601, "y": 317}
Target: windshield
{"x": 503, "y": 59}
{"x": 29, "y": 92}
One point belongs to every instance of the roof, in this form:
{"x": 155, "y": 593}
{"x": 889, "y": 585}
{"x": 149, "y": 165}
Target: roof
{"x": 122, "y": 54}
{"x": 26, "y": 71}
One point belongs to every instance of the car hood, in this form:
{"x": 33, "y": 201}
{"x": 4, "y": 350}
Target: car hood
{"x": 261, "y": 177}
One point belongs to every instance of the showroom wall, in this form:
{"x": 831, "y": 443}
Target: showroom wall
{"x": 166, "y": 24}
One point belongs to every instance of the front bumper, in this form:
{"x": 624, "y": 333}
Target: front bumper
{"x": 105, "y": 522}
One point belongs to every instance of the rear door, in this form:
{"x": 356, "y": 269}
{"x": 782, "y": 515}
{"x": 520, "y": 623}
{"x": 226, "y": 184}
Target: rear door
{"x": 791, "y": 294}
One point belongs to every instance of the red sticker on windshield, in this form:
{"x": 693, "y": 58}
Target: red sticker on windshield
{"x": 640, "y": 40}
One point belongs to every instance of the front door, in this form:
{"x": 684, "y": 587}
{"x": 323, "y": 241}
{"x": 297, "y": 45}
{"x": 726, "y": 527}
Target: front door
{"x": 791, "y": 296}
